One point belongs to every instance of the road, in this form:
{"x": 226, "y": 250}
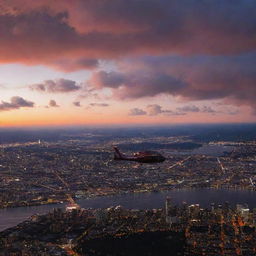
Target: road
{"x": 221, "y": 165}
{"x": 179, "y": 163}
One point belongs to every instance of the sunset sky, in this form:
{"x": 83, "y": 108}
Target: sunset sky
{"x": 110, "y": 62}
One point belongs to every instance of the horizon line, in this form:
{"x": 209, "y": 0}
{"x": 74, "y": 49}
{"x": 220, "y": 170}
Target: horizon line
{"x": 107, "y": 126}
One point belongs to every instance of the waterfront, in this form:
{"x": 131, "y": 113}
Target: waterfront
{"x": 12, "y": 216}
{"x": 208, "y": 150}
{"x": 213, "y": 150}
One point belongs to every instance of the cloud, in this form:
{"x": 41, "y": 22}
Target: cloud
{"x": 205, "y": 109}
{"x": 70, "y": 65}
{"x": 103, "y": 79}
{"x": 53, "y": 104}
{"x": 208, "y": 109}
{"x": 2, "y": 87}
{"x": 56, "y": 86}
{"x": 196, "y": 109}
{"x": 99, "y": 104}
{"x": 230, "y": 78}
{"x": 77, "y": 103}
{"x": 47, "y": 32}
{"x": 137, "y": 112}
{"x": 232, "y": 112}
{"x": 16, "y": 102}
{"x": 155, "y": 109}
{"x": 189, "y": 108}
{"x": 137, "y": 84}
{"x": 196, "y": 52}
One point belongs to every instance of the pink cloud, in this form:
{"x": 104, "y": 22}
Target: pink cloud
{"x": 56, "y": 86}
{"x": 192, "y": 78}
{"x": 61, "y": 33}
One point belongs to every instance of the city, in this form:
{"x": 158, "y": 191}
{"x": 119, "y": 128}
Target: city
{"x": 68, "y": 172}
{"x": 182, "y": 230}
{"x": 52, "y": 172}
{"x": 127, "y": 128}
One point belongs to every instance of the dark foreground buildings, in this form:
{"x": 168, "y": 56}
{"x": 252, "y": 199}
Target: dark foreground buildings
{"x": 175, "y": 230}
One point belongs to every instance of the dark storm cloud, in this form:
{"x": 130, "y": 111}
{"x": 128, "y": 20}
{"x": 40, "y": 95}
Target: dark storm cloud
{"x": 48, "y": 32}
{"x": 56, "y": 86}
{"x": 16, "y": 102}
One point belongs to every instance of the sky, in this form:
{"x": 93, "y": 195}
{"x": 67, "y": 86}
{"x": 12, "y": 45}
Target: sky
{"x": 110, "y": 62}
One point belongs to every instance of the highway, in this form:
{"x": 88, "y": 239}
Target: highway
{"x": 179, "y": 163}
{"x": 221, "y": 165}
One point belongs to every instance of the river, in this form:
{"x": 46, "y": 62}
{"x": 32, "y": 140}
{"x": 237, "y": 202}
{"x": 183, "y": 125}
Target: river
{"x": 12, "y": 216}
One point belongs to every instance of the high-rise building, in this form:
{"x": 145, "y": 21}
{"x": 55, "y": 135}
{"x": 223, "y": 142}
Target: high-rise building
{"x": 244, "y": 211}
{"x": 170, "y": 212}
{"x": 168, "y": 205}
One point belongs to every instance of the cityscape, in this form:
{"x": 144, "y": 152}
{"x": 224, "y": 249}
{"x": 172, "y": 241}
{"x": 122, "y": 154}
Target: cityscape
{"x": 70, "y": 174}
{"x": 183, "y": 230}
{"x": 127, "y": 128}
{"x": 34, "y": 173}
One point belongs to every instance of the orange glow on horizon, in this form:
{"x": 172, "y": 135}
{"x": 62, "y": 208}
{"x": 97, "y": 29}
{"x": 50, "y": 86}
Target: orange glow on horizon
{"x": 22, "y": 118}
